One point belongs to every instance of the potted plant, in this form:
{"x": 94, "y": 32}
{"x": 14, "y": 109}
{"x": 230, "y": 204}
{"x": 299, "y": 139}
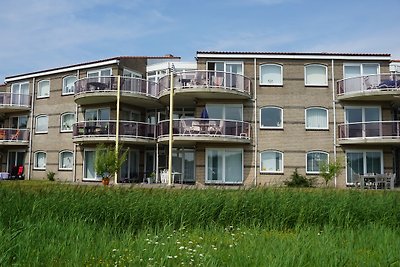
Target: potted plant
{"x": 108, "y": 162}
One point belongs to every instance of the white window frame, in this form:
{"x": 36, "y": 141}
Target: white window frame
{"x": 280, "y": 83}
{"x": 316, "y": 84}
{"x": 131, "y": 73}
{"x": 225, "y": 63}
{"x": 64, "y": 91}
{"x": 224, "y": 109}
{"x": 39, "y": 89}
{"x": 19, "y": 121}
{"x": 60, "y": 162}
{"x": 207, "y": 181}
{"x": 98, "y": 71}
{"x": 363, "y": 112}
{"x": 282, "y": 162}
{"x": 271, "y": 127}
{"x": 96, "y": 178}
{"x": 314, "y": 152}
{"x": 361, "y": 65}
{"x": 316, "y": 128}
{"x": 36, "y": 123}
{"x": 364, "y": 152}
{"x": 35, "y": 165}
{"x": 62, "y": 122}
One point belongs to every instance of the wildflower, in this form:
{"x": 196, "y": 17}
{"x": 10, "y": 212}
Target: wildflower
{"x": 114, "y": 250}
{"x": 181, "y": 247}
{"x": 170, "y": 257}
{"x": 201, "y": 255}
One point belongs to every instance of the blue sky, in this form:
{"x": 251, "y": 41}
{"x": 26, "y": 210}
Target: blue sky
{"x": 44, "y": 34}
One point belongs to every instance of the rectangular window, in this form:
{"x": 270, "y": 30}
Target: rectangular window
{"x": 316, "y": 75}
{"x": 89, "y": 172}
{"x": 19, "y": 122}
{"x": 225, "y": 111}
{"x": 67, "y": 121}
{"x": 363, "y": 121}
{"x": 43, "y": 89}
{"x": 271, "y": 117}
{"x": 66, "y": 160}
{"x": 224, "y": 166}
{"x": 354, "y": 70}
{"x": 101, "y": 114}
{"x": 314, "y": 160}
{"x": 68, "y": 85}
{"x": 271, "y": 162}
{"x": 271, "y": 74}
{"x": 363, "y": 162}
{"x": 40, "y": 160}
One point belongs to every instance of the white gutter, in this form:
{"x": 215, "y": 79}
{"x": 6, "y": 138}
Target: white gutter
{"x": 334, "y": 115}
{"x": 31, "y": 131}
{"x": 255, "y": 122}
{"x": 279, "y": 56}
{"x": 75, "y": 145}
{"x": 61, "y": 70}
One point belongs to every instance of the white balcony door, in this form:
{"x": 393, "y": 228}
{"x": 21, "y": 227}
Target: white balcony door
{"x": 224, "y": 165}
{"x": 20, "y": 92}
{"x": 363, "y": 121}
{"x": 183, "y": 164}
{"x": 362, "y": 162}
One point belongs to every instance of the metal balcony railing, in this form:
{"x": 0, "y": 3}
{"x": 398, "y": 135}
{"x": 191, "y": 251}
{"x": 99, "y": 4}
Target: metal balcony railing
{"x": 207, "y": 128}
{"x": 110, "y": 83}
{"x": 107, "y": 128}
{"x": 210, "y": 79}
{"x": 14, "y": 135}
{"x": 16, "y": 100}
{"x": 369, "y": 83}
{"x": 365, "y": 130}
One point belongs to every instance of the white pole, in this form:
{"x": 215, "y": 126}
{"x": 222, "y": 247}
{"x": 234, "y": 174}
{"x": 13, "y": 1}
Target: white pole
{"x": 334, "y": 116}
{"x": 171, "y": 128}
{"x": 31, "y": 128}
{"x": 117, "y": 125}
{"x": 255, "y": 140}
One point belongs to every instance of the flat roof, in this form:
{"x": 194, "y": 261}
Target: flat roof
{"x": 293, "y": 55}
{"x": 89, "y": 64}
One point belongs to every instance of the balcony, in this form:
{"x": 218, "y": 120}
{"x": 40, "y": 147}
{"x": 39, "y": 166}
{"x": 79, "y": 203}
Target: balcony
{"x": 192, "y": 85}
{"x": 134, "y": 91}
{"x": 380, "y": 87}
{"x": 10, "y": 102}
{"x": 14, "y": 137}
{"x": 190, "y": 131}
{"x": 131, "y": 132}
{"x": 377, "y": 132}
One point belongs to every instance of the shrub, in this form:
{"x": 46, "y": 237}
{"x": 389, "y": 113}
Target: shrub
{"x": 50, "y": 176}
{"x": 298, "y": 180}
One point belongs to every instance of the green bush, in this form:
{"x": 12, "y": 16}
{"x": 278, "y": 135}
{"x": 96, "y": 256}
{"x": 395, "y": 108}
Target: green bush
{"x": 50, "y": 175}
{"x": 298, "y": 180}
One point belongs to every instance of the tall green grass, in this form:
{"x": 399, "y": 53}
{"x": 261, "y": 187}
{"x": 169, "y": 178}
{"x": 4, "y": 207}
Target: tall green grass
{"x": 55, "y": 224}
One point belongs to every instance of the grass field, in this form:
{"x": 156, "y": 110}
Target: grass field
{"x": 51, "y": 224}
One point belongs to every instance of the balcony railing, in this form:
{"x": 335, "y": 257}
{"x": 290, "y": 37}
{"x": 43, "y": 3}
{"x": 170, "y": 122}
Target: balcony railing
{"x": 209, "y": 79}
{"x": 14, "y": 135}
{"x": 369, "y": 83}
{"x": 365, "y": 130}
{"x": 14, "y": 100}
{"x": 107, "y": 128}
{"x": 207, "y": 128}
{"x": 110, "y": 83}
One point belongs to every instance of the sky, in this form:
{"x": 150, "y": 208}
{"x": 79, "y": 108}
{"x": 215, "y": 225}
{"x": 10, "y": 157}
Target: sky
{"x": 43, "y": 34}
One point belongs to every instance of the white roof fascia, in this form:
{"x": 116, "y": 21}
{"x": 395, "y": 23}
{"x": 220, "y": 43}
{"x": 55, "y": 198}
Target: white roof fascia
{"x": 177, "y": 64}
{"x": 272, "y": 56}
{"x": 50, "y": 72}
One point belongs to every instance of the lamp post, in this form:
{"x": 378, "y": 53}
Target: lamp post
{"x": 171, "y": 128}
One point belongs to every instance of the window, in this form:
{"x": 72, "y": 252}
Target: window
{"x": 363, "y": 121}
{"x": 66, "y": 159}
{"x": 225, "y": 111}
{"x": 89, "y": 172}
{"x": 224, "y": 165}
{"x": 271, "y": 74}
{"x": 19, "y": 122}
{"x": 130, "y": 73}
{"x": 101, "y": 114}
{"x": 271, "y": 117}
{"x": 271, "y": 162}
{"x": 317, "y": 118}
{"x": 43, "y": 89}
{"x": 354, "y": 70}
{"x": 316, "y": 75}
{"x": 67, "y": 120}
{"x": 20, "y": 94}
{"x": 40, "y": 160}
{"x": 362, "y": 162}
{"x": 228, "y": 66}
{"x": 314, "y": 160}
{"x": 68, "y": 85}
{"x": 99, "y": 73}
{"x": 42, "y": 122}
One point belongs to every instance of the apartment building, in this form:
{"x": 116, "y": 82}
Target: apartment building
{"x": 239, "y": 118}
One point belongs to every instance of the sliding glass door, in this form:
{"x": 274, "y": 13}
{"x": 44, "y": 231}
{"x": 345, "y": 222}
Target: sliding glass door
{"x": 224, "y": 165}
{"x": 362, "y": 162}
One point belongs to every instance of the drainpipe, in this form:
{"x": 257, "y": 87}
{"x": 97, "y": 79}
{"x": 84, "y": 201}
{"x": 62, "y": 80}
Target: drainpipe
{"x": 171, "y": 128}
{"x": 334, "y": 115}
{"x": 255, "y": 121}
{"x": 75, "y": 146}
{"x": 117, "y": 125}
{"x": 31, "y": 130}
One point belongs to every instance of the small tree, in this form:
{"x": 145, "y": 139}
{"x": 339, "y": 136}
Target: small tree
{"x": 329, "y": 170}
{"x": 108, "y": 162}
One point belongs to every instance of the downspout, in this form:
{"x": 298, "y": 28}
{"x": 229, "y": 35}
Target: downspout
{"x": 117, "y": 125}
{"x": 255, "y": 122}
{"x": 75, "y": 146}
{"x": 31, "y": 129}
{"x": 334, "y": 115}
{"x": 171, "y": 127}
